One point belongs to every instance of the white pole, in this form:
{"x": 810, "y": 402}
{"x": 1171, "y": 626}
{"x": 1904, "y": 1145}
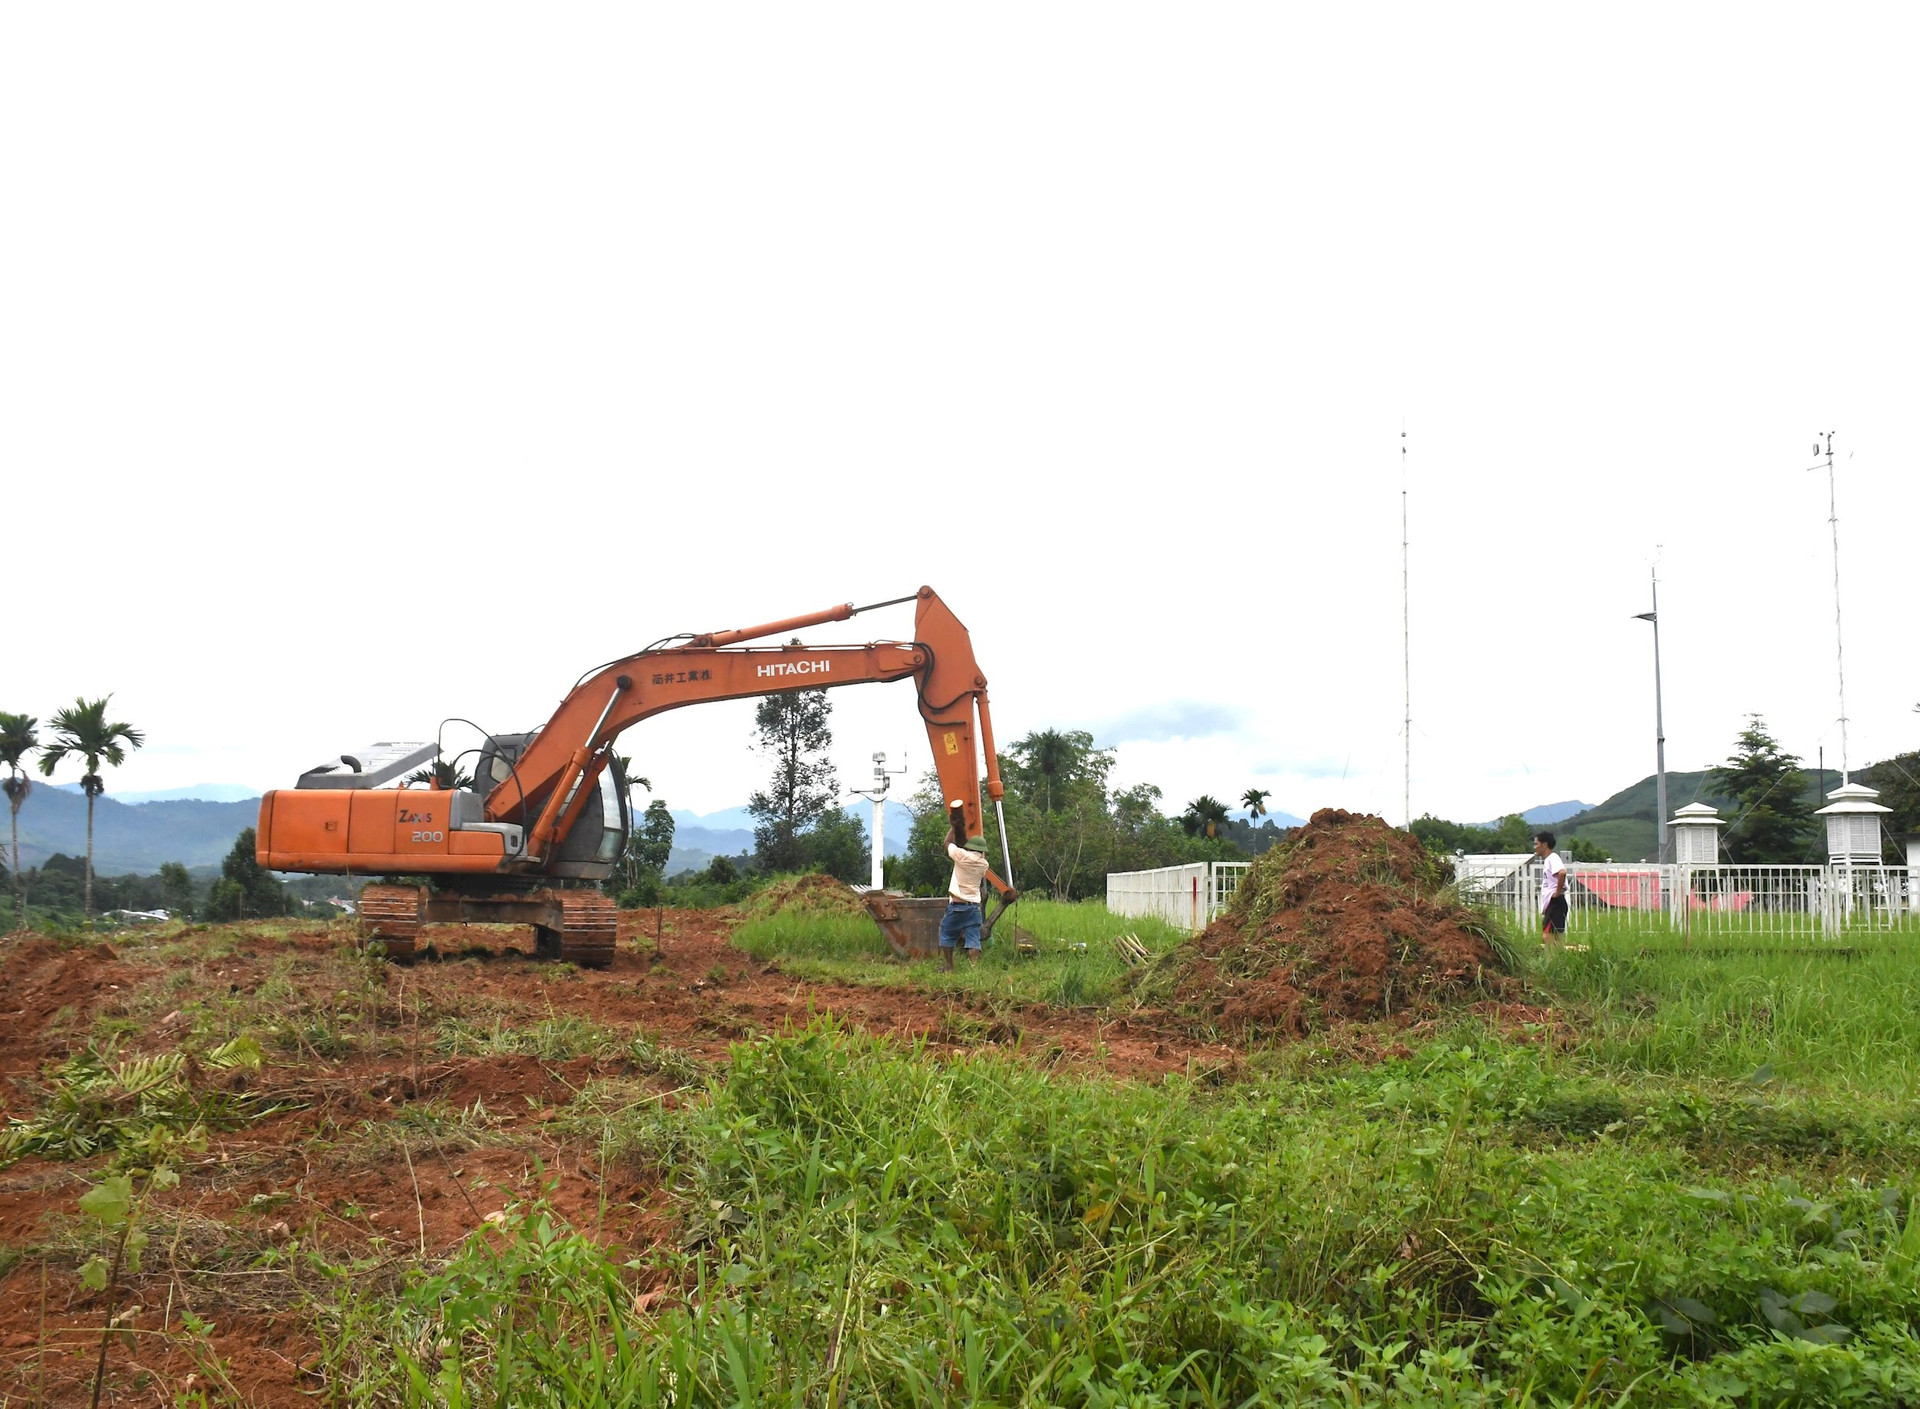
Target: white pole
{"x": 880, "y": 841}
{"x": 1406, "y": 639}
{"x": 1839, "y": 641}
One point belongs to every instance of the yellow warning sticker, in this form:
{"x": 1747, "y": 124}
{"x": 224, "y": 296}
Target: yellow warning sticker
{"x": 951, "y": 741}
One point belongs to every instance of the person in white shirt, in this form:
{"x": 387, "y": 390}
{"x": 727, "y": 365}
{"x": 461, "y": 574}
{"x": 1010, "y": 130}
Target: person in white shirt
{"x": 1553, "y": 889}
{"x": 961, "y": 922}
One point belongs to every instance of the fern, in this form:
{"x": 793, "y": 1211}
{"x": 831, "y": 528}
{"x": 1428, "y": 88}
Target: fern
{"x": 133, "y": 1106}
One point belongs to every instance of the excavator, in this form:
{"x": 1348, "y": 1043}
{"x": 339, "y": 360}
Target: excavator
{"x": 548, "y": 814}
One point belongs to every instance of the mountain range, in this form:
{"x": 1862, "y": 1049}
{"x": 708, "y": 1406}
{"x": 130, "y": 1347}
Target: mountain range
{"x": 130, "y": 836}
{"x": 1545, "y": 815}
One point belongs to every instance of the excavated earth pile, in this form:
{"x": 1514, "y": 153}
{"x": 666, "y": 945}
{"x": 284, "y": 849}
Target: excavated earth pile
{"x": 1350, "y": 919}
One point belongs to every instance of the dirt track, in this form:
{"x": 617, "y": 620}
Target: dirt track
{"x": 345, "y": 1171}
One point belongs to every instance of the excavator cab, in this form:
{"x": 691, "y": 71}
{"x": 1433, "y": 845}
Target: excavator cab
{"x": 592, "y": 846}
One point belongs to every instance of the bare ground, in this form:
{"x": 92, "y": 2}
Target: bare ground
{"x": 402, "y": 1122}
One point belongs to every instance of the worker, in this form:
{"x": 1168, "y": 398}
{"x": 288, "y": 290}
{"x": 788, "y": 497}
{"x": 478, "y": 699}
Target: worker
{"x": 960, "y": 925}
{"x": 1553, "y": 889}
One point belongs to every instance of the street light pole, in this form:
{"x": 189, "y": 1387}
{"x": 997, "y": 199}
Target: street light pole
{"x": 1659, "y": 724}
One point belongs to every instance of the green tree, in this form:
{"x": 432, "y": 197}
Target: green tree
{"x": 176, "y": 889}
{"x": 1059, "y": 821}
{"x": 82, "y": 730}
{"x": 1050, "y": 761}
{"x": 1898, "y": 779}
{"x": 1048, "y": 755}
{"x": 1255, "y": 801}
{"x": 17, "y": 739}
{"x": 925, "y": 868}
{"x": 652, "y": 841}
{"x": 837, "y": 844}
{"x": 791, "y": 729}
{"x": 1205, "y": 816}
{"x": 246, "y": 890}
{"x": 1508, "y": 836}
{"x": 1773, "y": 816}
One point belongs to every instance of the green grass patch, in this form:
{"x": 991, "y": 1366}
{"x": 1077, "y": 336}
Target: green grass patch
{"x": 1073, "y": 964}
{"x": 1824, "y": 1015}
{"x": 866, "y": 1226}
{"x": 811, "y": 935}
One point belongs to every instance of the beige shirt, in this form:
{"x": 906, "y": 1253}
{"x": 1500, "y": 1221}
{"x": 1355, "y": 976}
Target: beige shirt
{"x": 968, "y": 868}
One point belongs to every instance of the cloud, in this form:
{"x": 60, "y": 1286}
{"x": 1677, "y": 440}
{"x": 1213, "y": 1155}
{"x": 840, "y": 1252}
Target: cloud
{"x": 1171, "y": 719}
{"x": 1304, "y": 767}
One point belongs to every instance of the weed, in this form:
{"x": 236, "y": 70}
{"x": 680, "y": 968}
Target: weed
{"x": 862, "y": 1225}
{"x": 130, "y": 1107}
{"x": 556, "y": 1038}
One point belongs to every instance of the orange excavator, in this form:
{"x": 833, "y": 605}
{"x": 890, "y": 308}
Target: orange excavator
{"x": 548, "y": 814}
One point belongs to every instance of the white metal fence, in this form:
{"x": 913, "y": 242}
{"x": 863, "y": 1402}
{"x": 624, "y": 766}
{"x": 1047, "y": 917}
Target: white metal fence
{"x": 1187, "y": 896}
{"x": 1784, "y": 900}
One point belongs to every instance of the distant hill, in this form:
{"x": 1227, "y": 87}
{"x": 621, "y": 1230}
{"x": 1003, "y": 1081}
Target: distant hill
{"x": 1625, "y": 826}
{"x": 1545, "y": 815}
{"x": 130, "y": 837}
{"x": 1278, "y": 819}
{"x": 199, "y": 792}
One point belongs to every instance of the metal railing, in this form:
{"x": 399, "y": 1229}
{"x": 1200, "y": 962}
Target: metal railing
{"x": 1778, "y": 900}
{"x": 1190, "y": 897}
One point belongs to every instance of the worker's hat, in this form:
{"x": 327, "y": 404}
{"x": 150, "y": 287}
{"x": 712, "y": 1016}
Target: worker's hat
{"x": 978, "y": 844}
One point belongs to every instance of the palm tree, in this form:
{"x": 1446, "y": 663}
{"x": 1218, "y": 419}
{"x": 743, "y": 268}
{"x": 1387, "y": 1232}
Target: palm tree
{"x": 1255, "y": 801}
{"x": 1206, "y": 814}
{"x": 83, "y": 730}
{"x": 1051, "y": 752}
{"x": 17, "y": 740}
{"x": 441, "y": 774}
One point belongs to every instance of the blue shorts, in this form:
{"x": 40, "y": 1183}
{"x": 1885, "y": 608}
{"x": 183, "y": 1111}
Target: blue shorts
{"x": 962, "y": 921}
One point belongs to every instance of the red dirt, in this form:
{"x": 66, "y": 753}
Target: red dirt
{"x": 1341, "y": 923}
{"x": 40, "y": 979}
{"x": 292, "y": 1178}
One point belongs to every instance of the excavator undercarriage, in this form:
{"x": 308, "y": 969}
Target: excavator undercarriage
{"x": 576, "y": 926}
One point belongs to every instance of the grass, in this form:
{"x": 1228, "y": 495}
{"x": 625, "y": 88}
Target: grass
{"x": 1696, "y": 1185}
{"x": 786, "y": 935}
{"x": 865, "y": 1226}
{"x": 1833, "y": 1016}
{"x": 1074, "y": 963}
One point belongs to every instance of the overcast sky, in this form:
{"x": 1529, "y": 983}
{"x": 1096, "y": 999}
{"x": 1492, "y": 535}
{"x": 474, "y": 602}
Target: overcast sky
{"x": 362, "y": 365}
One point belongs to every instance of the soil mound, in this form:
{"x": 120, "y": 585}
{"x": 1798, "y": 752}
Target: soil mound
{"x": 803, "y": 895}
{"x": 41, "y": 976}
{"x": 1348, "y": 919}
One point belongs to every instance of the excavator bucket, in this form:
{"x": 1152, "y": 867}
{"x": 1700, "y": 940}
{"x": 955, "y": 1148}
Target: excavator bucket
{"x": 911, "y": 923}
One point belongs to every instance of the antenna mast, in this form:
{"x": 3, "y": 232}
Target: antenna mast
{"x": 1406, "y": 640}
{"x": 1839, "y": 641}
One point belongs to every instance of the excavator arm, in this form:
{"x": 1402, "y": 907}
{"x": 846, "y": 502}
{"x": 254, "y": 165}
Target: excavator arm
{"x": 548, "y": 783}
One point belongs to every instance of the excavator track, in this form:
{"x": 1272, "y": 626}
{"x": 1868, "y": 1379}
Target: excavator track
{"x": 589, "y": 928}
{"x": 392, "y": 915}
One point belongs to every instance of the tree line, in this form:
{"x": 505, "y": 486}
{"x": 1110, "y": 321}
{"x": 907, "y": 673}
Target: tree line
{"x": 83, "y": 735}
{"x": 80, "y": 733}
{"x": 1773, "y": 801}
{"x": 1770, "y": 809}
